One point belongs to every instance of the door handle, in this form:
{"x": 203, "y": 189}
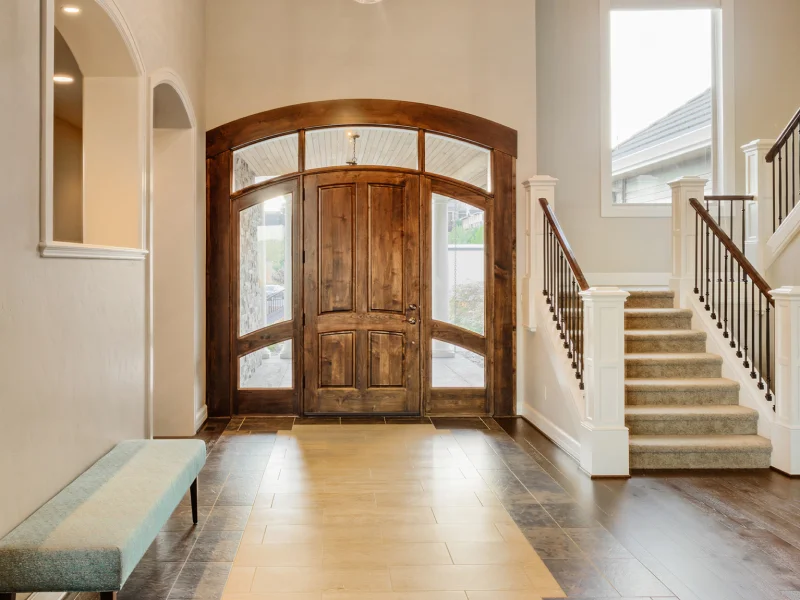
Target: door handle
{"x": 411, "y": 318}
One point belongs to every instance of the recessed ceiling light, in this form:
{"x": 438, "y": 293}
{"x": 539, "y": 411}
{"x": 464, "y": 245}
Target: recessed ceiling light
{"x": 368, "y": 1}
{"x": 70, "y": 10}
{"x": 63, "y": 78}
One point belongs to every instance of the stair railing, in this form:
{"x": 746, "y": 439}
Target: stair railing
{"x": 785, "y": 167}
{"x": 737, "y": 297}
{"x": 563, "y": 281}
{"x": 731, "y": 214}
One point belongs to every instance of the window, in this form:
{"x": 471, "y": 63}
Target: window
{"x": 267, "y": 368}
{"x": 662, "y": 65}
{"x": 456, "y": 367}
{"x": 265, "y": 160}
{"x": 379, "y": 146}
{"x": 458, "y": 160}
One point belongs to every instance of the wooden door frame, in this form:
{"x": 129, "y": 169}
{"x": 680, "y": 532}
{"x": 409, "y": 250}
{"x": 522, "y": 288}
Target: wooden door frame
{"x": 221, "y": 244}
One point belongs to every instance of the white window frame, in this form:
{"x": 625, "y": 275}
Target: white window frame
{"x": 49, "y": 247}
{"x": 723, "y": 122}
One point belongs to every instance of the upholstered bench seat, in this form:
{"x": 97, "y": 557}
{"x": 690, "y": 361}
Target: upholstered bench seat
{"x": 91, "y": 535}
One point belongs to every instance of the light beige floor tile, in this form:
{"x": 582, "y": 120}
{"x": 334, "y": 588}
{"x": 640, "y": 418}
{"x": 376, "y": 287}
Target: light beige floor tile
{"x": 511, "y": 532}
{"x": 285, "y": 516}
{"x": 394, "y": 596}
{"x": 432, "y": 485}
{"x": 306, "y": 579}
{"x": 263, "y": 500}
{"x": 385, "y": 474}
{"x": 461, "y": 532}
{"x": 437, "y": 498}
{"x": 322, "y": 500}
{"x": 492, "y": 553}
{"x": 253, "y": 534}
{"x": 542, "y": 581}
{"x": 274, "y": 596}
{"x": 283, "y": 534}
{"x": 465, "y": 514}
{"x": 459, "y": 577}
{"x": 348, "y": 555}
{"x": 240, "y": 579}
{"x": 488, "y": 498}
{"x": 517, "y": 595}
{"x": 396, "y": 487}
{"x": 279, "y": 555}
{"x": 378, "y": 515}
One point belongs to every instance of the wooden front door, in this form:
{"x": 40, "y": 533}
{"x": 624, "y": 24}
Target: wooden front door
{"x": 361, "y": 293}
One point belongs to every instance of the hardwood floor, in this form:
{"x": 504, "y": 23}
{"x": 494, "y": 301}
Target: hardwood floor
{"x": 704, "y": 535}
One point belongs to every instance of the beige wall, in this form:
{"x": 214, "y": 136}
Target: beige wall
{"x": 72, "y": 341}
{"x": 67, "y": 182}
{"x": 569, "y": 143}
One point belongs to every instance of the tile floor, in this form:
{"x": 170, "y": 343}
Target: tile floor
{"x": 385, "y": 509}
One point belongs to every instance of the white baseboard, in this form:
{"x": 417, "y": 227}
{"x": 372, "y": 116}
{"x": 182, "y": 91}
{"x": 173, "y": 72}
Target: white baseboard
{"x": 628, "y": 279}
{"x": 200, "y": 417}
{"x": 557, "y": 435}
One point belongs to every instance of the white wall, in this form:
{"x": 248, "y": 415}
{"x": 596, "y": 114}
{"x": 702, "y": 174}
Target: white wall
{"x": 71, "y": 331}
{"x": 569, "y": 144}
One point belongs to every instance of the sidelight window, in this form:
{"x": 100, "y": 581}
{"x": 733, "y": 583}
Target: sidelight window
{"x": 265, "y": 264}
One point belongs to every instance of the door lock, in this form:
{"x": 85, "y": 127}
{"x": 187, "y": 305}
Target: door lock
{"x": 411, "y": 317}
{"x": 412, "y": 320}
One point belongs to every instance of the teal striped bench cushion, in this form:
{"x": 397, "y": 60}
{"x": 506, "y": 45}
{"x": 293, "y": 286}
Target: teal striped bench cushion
{"x": 94, "y": 532}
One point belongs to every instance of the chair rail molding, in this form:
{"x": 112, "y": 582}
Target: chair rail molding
{"x": 786, "y": 429}
{"x": 538, "y": 186}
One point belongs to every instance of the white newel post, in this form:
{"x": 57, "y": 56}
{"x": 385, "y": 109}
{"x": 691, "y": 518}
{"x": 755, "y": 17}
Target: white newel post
{"x": 683, "y": 234}
{"x": 758, "y": 177}
{"x": 786, "y": 429}
{"x": 604, "y": 436}
{"x": 540, "y": 186}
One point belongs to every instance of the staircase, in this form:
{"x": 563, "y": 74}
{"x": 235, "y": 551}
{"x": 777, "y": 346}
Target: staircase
{"x": 680, "y": 411}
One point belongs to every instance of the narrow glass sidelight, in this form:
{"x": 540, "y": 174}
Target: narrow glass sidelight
{"x": 459, "y": 160}
{"x": 267, "y": 368}
{"x": 458, "y": 254}
{"x": 456, "y": 367}
{"x": 265, "y": 160}
{"x": 356, "y": 146}
{"x": 265, "y": 264}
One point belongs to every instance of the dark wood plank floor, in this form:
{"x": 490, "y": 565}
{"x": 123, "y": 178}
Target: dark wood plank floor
{"x": 705, "y": 535}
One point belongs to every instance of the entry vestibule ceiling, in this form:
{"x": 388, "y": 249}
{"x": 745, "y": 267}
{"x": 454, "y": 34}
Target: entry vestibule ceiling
{"x": 374, "y": 146}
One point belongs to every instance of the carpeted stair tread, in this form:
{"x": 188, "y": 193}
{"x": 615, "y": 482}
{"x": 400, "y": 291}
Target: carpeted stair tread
{"x": 673, "y": 357}
{"x": 698, "y": 443}
{"x": 650, "y": 298}
{"x": 664, "y": 340}
{"x": 662, "y": 333}
{"x": 679, "y": 412}
{"x": 680, "y": 385}
{"x": 649, "y": 312}
{"x": 657, "y": 318}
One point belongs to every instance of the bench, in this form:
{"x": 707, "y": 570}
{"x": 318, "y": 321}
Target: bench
{"x": 91, "y": 536}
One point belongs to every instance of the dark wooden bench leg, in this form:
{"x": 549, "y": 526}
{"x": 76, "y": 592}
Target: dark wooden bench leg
{"x": 8, "y": 596}
{"x": 108, "y": 595}
{"x": 193, "y": 493}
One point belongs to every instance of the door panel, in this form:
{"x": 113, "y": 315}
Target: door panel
{"x": 362, "y": 292}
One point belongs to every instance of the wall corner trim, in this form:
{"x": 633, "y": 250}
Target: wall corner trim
{"x": 200, "y": 417}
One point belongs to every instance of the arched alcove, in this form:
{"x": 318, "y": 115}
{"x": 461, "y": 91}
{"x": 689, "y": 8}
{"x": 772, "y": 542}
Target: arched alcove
{"x": 174, "y": 274}
{"x": 102, "y": 217}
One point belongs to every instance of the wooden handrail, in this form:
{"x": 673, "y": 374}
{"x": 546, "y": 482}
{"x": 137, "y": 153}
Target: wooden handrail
{"x": 736, "y": 254}
{"x": 562, "y": 241}
{"x": 727, "y": 198}
{"x": 783, "y": 137}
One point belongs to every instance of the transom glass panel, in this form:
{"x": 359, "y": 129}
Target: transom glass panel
{"x": 265, "y": 160}
{"x": 377, "y": 146}
{"x": 458, "y": 160}
{"x": 265, "y": 264}
{"x": 458, "y": 253}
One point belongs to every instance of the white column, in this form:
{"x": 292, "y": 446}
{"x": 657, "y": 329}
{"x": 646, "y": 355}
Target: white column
{"x": 758, "y": 177}
{"x": 604, "y": 436}
{"x": 540, "y": 186}
{"x": 441, "y": 271}
{"x": 683, "y": 234}
{"x": 786, "y": 429}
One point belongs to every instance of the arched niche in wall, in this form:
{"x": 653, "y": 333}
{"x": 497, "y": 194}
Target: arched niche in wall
{"x": 175, "y": 240}
{"x": 105, "y": 220}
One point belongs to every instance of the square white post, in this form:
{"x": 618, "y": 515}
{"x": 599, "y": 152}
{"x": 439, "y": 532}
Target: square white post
{"x": 604, "y": 436}
{"x": 786, "y": 429}
{"x": 683, "y": 234}
{"x": 540, "y": 186}
{"x": 758, "y": 178}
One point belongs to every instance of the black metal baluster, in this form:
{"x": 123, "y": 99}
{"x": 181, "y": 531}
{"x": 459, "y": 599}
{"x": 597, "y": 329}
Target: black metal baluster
{"x": 739, "y": 311}
{"x": 744, "y": 223}
{"x": 768, "y": 350}
{"x": 780, "y": 187}
{"x": 760, "y": 342}
{"x": 713, "y": 261}
{"x": 568, "y": 315}
{"x": 544, "y": 258}
{"x": 707, "y": 253}
{"x": 725, "y": 302}
{"x": 696, "y": 252}
{"x": 579, "y": 374}
{"x": 753, "y": 346}
{"x": 746, "y": 311}
{"x": 719, "y": 283}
